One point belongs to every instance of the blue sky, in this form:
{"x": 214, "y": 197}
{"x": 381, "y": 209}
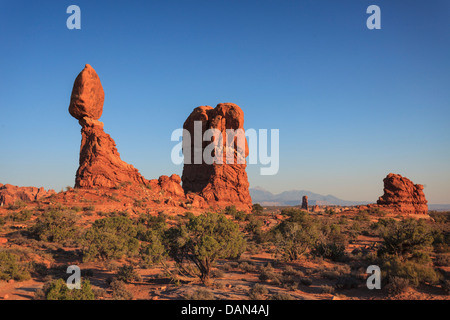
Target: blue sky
{"x": 351, "y": 104}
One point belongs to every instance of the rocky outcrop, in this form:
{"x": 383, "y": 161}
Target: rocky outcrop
{"x": 218, "y": 183}
{"x": 100, "y": 163}
{"x": 169, "y": 185}
{"x": 402, "y": 196}
{"x": 305, "y": 203}
{"x": 9, "y": 194}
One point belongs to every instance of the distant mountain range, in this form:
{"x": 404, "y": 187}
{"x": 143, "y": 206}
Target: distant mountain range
{"x": 294, "y": 197}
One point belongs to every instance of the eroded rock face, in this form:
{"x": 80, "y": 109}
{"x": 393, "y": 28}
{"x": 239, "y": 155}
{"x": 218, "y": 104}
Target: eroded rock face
{"x": 219, "y": 184}
{"x": 403, "y": 196}
{"x": 9, "y": 194}
{"x": 100, "y": 163}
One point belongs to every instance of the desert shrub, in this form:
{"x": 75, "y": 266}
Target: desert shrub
{"x": 12, "y": 268}
{"x": 254, "y": 226}
{"x": 397, "y": 285}
{"x": 281, "y": 296}
{"x": 362, "y": 216}
{"x": 111, "y": 265}
{"x": 405, "y": 238}
{"x": 415, "y": 273}
{"x": 150, "y": 231}
{"x": 257, "y": 292}
{"x": 228, "y": 266}
{"x": 230, "y": 210}
{"x": 257, "y": 209}
{"x": 442, "y": 260}
{"x": 329, "y": 250}
{"x": 200, "y": 294}
{"x": 327, "y": 289}
{"x": 440, "y": 217}
{"x": 236, "y": 214}
{"x": 289, "y": 271}
{"x": 110, "y": 238}
{"x": 240, "y": 216}
{"x": 268, "y": 273}
{"x": 18, "y": 204}
{"x": 247, "y": 267}
{"x": 295, "y": 236}
{"x": 217, "y": 273}
{"x": 148, "y": 222}
{"x": 306, "y": 282}
{"x": 127, "y": 273}
{"x": 39, "y": 268}
{"x": 152, "y": 249}
{"x": 89, "y": 209}
{"x": 294, "y": 214}
{"x": 445, "y": 284}
{"x": 120, "y": 291}
{"x": 347, "y": 282}
{"x": 58, "y": 290}
{"x": 56, "y": 226}
{"x": 203, "y": 240}
{"x": 331, "y": 274}
{"x": 21, "y": 216}
{"x": 405, "y": 250}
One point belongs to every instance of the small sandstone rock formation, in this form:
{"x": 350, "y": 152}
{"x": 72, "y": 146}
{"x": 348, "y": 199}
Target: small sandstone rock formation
{"x": 100, "y": 163}
{"x": 170, "y": 185}
{"x": 305, "y": 203}
{"x": 9, "y": 194}
{"x": 403, "y": 196}
{"x": 219, "y": 184}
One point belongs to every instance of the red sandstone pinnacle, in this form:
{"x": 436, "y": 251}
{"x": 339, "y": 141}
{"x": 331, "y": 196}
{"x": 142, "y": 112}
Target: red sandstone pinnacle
{"x": 305, "y": 203}
{"x": 87, "y": 95}
{"x": 403, "y": 196}
{"x": 100, "y": 163}
{"x": 219, "y": 184}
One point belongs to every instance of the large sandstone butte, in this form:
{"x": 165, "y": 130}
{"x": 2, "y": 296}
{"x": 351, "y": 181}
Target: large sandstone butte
{"x": 100, "y": 163}
{"x": 219, "y": 184}
{"x": 403, "y": 196}
{"x": 9, "y": 194}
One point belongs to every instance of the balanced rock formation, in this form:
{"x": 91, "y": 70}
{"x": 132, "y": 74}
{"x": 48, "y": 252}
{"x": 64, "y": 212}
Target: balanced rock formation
{"x": 9, "y": 194}
{"x": 305, "y": 203}
{"x": 100, "y": 163}
{"x": 402, "y": 196}
{"x": 224, "y": 183}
